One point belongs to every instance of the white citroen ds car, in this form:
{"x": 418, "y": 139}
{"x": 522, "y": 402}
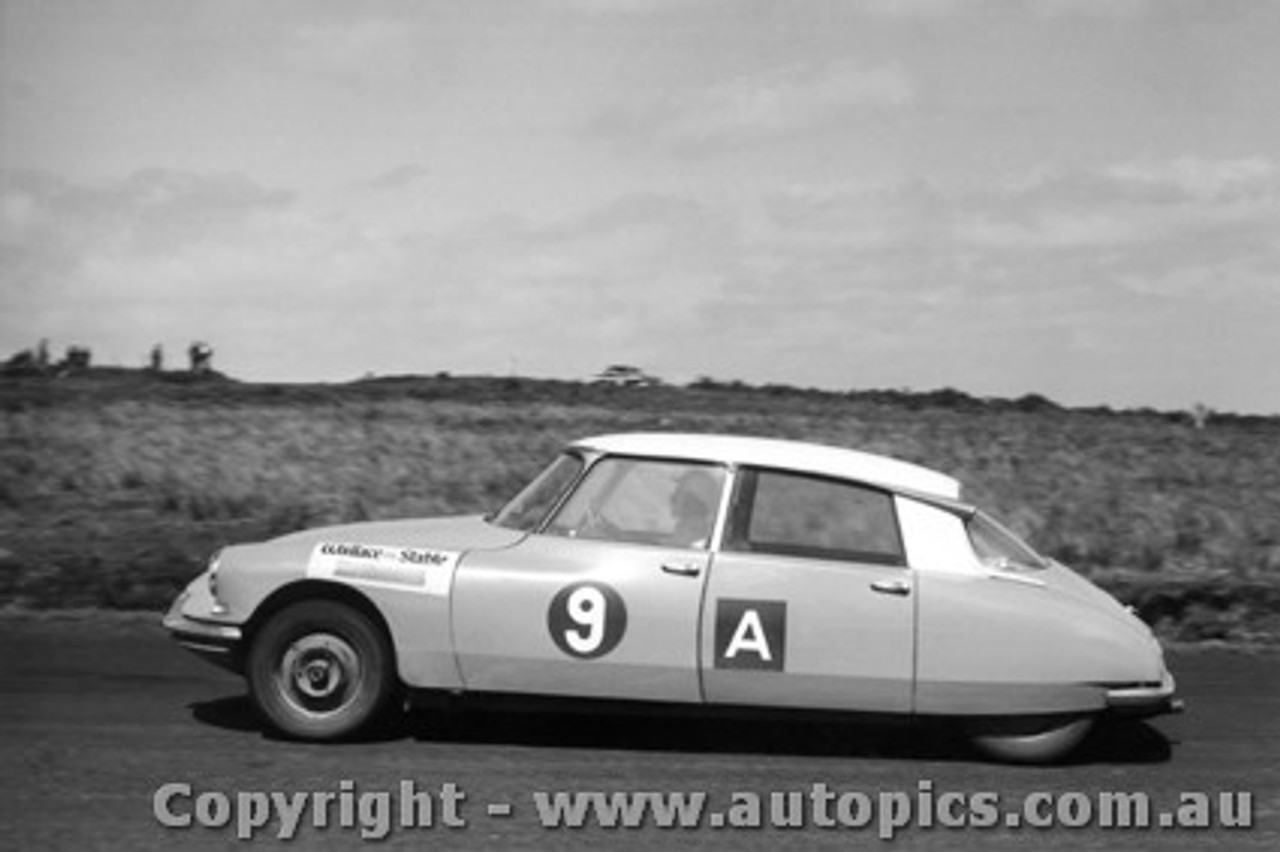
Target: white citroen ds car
{"x": 705, "y": 570}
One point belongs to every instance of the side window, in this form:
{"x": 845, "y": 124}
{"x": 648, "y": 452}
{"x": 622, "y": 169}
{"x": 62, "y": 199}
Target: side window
{"x": 643, "y": 501}
{"x": 796, "y": 515}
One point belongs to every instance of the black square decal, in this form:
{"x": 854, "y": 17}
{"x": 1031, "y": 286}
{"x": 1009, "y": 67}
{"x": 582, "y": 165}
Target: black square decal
{"x": 751, "y": 634}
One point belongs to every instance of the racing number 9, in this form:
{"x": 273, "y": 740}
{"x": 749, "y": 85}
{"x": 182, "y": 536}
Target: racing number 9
{"x": 586, "y": 606}
{"x": 587, "y": 620}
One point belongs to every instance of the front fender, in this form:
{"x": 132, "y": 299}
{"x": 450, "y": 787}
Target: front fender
{"x": 254, "y": 581}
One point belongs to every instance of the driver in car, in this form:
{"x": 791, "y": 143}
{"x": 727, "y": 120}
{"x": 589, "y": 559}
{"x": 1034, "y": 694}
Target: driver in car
{"x": 693, "y": 507}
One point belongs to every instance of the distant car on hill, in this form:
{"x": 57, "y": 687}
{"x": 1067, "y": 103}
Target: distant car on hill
{"x": 703, "y": 570}
{"x": 622, "y": 375}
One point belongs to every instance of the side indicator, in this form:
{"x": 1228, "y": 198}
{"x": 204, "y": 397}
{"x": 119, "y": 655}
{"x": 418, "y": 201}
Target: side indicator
{"x": 1017, "y": 578}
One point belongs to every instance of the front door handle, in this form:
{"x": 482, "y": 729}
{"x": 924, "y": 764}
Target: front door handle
{"x": 682, "y": 569}
{"x": 891, "y": 587}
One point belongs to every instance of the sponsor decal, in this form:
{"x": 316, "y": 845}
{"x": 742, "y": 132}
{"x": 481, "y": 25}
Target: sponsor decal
{"x": 417, "y": 569}
{"x": 587, "y": 620}
{"x": 751, "y": 634}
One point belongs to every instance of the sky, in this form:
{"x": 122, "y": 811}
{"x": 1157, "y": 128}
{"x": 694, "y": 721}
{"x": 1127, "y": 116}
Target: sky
{"x": 1074, "y": 198}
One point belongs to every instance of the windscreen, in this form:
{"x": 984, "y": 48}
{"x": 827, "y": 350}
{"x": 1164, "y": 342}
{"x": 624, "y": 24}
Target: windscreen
{"x": 528, "y": 509}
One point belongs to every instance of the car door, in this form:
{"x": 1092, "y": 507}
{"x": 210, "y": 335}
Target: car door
{"x": 603, "y": 599}
{"x": 810, "y": 602}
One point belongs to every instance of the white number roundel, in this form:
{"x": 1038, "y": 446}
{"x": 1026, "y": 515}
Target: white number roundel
{"x": 587, "y": 620}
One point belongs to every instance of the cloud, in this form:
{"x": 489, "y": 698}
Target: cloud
{"x": 153, "y": 251}
{"x": 875, "y": 271}
{"x": 866, "y": 215}
{"x": 1146, "y": 216}
{"x": 897, "y": 10}
{"x": 944, "y": 10}
{"x": 346, "y": 282}
{"x": 1116, "y": 10}
{"x": 1204, "y": 180}
{"x": 600, "y": 282}
{"x": 618, "y": 8}
{"x": 352, "y": 47}
{"x": 53, "y": 227}
{"x": 398, "y": 178}
{"x": 378, "y": 52}
{"x": 859, "y": 283}
{"x": 784, "y": 102}
{"x": 916, "y": 9}
{"x": 875, "y": 279}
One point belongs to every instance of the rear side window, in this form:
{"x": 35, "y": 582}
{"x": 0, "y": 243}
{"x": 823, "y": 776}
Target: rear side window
{"x": 790, "y": 514}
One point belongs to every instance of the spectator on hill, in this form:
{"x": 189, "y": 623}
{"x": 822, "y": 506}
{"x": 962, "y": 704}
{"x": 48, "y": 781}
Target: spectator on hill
{"x": 78, "y": 358}
{"x": 201, "y": 355}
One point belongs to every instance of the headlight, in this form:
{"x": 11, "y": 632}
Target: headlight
{"x": 211, "y": 573}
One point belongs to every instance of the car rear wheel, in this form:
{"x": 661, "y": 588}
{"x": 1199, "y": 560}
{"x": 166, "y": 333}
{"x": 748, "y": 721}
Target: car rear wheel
{"x": 321, "y": 670}
{"x": 1029, "y": 739}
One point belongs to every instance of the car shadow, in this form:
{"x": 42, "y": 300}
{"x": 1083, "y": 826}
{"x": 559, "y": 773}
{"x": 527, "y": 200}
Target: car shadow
{"x": 1123, "y": 741}
{"x": 1113, "y": 741}
{"x": 233, "y": 713}
{"x": 677, "y": 733}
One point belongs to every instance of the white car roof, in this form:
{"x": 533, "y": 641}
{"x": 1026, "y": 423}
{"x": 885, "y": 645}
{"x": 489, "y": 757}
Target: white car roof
{"x": 791, "y": 455}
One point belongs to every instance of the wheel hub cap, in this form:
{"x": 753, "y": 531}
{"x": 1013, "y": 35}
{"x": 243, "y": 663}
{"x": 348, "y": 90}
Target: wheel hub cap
{"x": 318, "y": 673}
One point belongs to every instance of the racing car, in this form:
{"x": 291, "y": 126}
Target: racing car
{"x": 710, "y": 570}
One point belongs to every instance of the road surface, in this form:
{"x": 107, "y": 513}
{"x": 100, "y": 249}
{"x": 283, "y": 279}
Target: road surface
{"x": 101, "y": 718}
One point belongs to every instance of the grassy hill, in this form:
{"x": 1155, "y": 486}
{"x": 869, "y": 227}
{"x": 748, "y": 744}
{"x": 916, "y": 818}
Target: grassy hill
{"x": 115, "y": 485}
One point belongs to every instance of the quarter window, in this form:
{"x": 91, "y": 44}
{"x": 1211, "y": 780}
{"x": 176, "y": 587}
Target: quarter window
{"x": 791, "y": 514}
{"x": 999, "y": 548}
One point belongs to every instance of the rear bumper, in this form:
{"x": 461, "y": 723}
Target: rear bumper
{"x": 1145, "y": 700}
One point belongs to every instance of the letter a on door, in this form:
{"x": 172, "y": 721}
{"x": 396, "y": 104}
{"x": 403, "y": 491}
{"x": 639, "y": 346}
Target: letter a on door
{"x": 751, "y": 634}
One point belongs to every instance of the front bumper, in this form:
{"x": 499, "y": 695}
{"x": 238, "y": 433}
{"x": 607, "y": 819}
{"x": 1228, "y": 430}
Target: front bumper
{"x": 214, "y": 641}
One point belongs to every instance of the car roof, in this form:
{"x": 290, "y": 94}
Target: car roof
{"x": 774, "y": 453}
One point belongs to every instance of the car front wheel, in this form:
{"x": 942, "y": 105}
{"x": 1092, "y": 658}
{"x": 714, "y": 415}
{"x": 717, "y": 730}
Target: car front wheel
{"x": 1029, "y": 739}
{"x": 321, "y": 670}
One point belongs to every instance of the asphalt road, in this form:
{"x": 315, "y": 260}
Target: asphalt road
{"x": 99, "y": 713}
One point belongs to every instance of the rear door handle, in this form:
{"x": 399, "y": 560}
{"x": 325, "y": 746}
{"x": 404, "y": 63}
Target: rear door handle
{"x": 891, "y": 587}
{"x": 682, "y": 569}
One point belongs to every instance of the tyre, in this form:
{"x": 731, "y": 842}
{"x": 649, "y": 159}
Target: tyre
{"x": 321, "y": 670}
{"x": 1029, "y": 739}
